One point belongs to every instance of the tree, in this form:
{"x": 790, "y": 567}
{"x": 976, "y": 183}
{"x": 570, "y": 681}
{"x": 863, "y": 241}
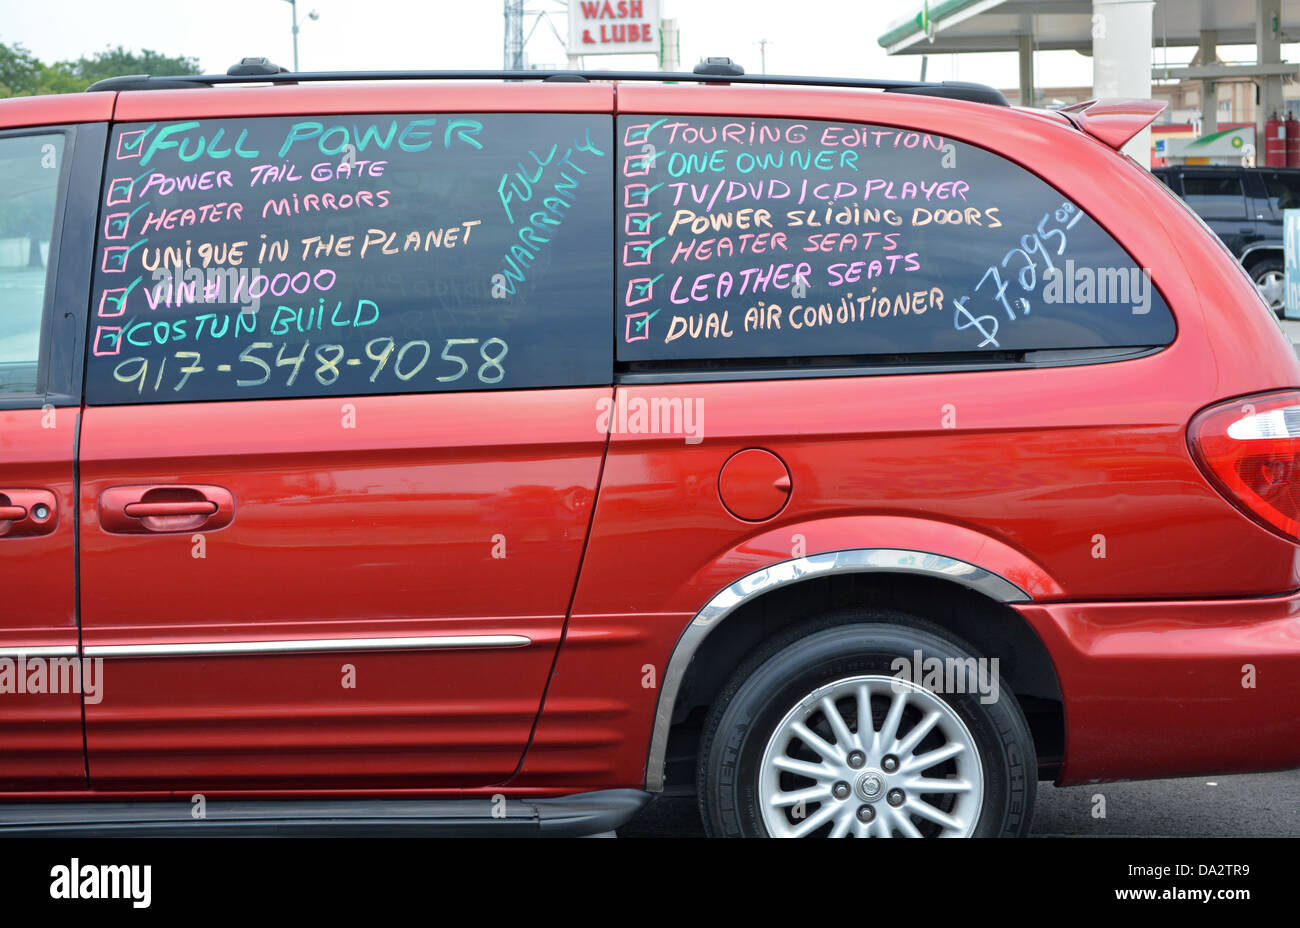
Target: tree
{"x": 115, "y": 62}
{"x": 23, "y": 74}
{"x": 20, "y": 73}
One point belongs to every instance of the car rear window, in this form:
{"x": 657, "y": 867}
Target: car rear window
{"x": 334, "y": 255}
{"x": 768, "y": 238}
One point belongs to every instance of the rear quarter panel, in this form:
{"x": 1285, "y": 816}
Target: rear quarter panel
{"x": 1042, "y": 466}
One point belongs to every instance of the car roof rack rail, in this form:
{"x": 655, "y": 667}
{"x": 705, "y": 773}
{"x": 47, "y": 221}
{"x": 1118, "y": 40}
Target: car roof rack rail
{"x": 713, "y": 71}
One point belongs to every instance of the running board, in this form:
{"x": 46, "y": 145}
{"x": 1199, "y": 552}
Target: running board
{"x": 579, "y": 815}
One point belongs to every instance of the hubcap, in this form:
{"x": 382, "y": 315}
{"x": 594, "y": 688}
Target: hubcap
{"x": 1270, "y": 285}
{"x": 841, "y": 734}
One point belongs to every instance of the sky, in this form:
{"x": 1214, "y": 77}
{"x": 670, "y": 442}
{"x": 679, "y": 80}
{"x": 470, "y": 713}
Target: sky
{"x": 814, "y": 37}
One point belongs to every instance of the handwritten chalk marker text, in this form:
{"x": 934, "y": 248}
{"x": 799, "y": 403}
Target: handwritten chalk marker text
{"x": 723, "y": 284}
{"x": 518, "y": 187}
{"x": 190, "y": 141}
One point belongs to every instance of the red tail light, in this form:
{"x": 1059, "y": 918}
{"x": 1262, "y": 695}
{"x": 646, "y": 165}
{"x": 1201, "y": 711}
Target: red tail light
{"x": 1250, "y": 450}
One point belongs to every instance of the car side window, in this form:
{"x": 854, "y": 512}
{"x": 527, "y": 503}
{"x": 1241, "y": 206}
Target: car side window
{"x": 1215, "y": 196}
{"x": 745, "y": 239}
{"x": 1283, "y": 190}
{"x": 355, "y": 254}
{"x": 31, "y": 166}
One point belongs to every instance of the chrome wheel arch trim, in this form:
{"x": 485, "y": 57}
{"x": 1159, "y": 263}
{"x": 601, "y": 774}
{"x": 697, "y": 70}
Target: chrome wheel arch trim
{"x": 784, "y": 573}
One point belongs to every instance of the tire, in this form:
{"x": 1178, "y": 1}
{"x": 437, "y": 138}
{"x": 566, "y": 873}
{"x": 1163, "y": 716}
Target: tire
{"x": 748, "y": 743}
{"x": 1267, "y": 273}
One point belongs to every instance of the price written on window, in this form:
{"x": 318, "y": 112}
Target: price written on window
{"x": 285, "y": 362}
{"x": 1024, "y": 266}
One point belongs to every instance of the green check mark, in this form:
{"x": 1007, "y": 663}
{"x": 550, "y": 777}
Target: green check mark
{"x": 120, "y": 257}
{"x": 646, "y": 249}
{"x": 126, "y": 291}
{"x": 123, "y": 224}
{"x": 644, "y": 136}
{"x": 645, "y": 287}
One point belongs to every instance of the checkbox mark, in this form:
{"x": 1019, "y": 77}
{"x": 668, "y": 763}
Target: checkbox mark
{"x": 639, "y": 223}
{"x": 113, "y": 300}
{"x": 635, "y": 195}
{"x": 640, "y": 289}
{"x": 108, "y": 340}
{"x": 130, "y": 144}
{"x": 116, "y": 225}
{"x": 115, "y": 257}
{"x": 639, "y": 133}
{"x": 637, "y": 165}
{"x": 119, "y": 191}
{"x": 638, "y": 326}
{"x": 636, "y": 253}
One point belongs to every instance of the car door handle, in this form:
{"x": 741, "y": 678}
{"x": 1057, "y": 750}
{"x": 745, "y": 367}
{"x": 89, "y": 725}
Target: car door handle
{"x": 26, "y": 513}
{"x": 143, "y": 510}
{"x": 152, "y": 509}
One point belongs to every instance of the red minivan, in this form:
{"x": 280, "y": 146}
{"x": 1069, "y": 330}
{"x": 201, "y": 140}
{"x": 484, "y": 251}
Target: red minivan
{"x": 405, "y": 453}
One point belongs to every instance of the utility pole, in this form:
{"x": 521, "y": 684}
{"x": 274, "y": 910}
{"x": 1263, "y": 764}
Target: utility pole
{"x": 313, "y": 15}
{"x": 762, "y": 54}
{"x": 293, "y": 4}
{"x": 514, "y": 44}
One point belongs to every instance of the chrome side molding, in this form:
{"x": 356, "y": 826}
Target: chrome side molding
{"x": 306, "y": 646}
{"x": 17, "y": 651}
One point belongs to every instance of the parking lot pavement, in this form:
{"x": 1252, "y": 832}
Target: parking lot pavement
{"x": 1258, "y": 805}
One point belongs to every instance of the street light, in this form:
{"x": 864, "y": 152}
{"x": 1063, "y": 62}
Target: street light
{"x": 313, "y": 16}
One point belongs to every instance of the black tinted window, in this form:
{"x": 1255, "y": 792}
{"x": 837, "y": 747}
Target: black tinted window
{"x": 1283, "y": 190}
{"x": 757, "y": 238}
{"x": 1215, "y": 196}
{"x": 324, "y": 255}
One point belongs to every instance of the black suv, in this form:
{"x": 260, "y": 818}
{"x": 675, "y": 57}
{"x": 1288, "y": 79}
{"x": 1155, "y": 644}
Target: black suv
{"x": 1244, "y": 208}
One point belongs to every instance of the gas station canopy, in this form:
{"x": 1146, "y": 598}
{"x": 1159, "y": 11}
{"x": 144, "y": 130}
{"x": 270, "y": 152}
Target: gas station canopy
{"x": 996, "y": 25}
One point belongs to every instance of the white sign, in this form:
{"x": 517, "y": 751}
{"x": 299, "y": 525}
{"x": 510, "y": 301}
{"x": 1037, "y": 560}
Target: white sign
{"x": 613, "y": 27}
{"x": 1291, "y": 263}
{"x": 1228, "y": 146}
